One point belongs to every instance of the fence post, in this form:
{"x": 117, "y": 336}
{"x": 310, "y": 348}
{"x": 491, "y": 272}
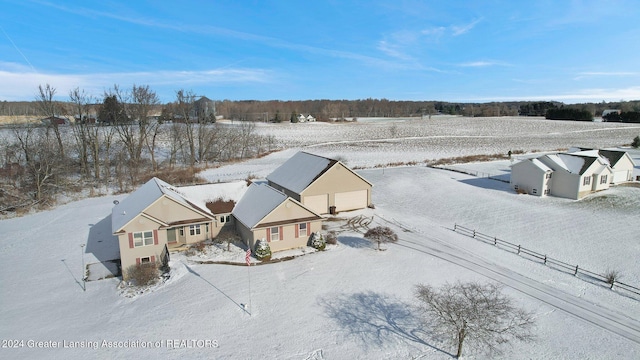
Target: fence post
{"x": 474, "y": 233}
{"x": 518, "y": 249}
{"x": 576, "y": 272}
{"x": 455, "y": 227}
{"x": 495, "y": 241}
{"x": 545, "y": 259}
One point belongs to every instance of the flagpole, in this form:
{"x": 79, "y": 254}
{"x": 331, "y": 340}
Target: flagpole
{"x": 247, "y": 258}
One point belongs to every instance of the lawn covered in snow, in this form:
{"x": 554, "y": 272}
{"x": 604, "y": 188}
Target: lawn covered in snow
{"x": 349, "y": 302}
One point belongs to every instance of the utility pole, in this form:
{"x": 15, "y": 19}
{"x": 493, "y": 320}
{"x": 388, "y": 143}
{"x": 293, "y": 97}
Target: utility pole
{"x": 84, "y": 284}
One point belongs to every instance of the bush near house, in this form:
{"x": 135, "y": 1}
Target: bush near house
{"x": 263, "y": 250}
{"x": 636, "y": 142}
{"x": 143, "y": 274}
{"x": 317, "y": 241}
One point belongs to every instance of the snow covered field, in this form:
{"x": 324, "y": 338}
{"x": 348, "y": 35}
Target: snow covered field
{"x": 350, "y": 301}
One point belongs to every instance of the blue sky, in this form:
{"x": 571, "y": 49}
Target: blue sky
{"x": 470, "y": 51}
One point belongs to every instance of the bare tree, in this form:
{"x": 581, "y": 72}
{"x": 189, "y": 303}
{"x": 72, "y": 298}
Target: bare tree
{"x": 381, "y": 234}
{"x": 200, "y": 133}
{"x": 81, "y": 128}
{"x": 475, "y": 314}
{"x": 50, "y": 108}
{"x": 43, "y": 163}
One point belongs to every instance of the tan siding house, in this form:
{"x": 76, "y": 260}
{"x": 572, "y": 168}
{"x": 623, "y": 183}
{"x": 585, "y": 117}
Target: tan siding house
{"x": 266, "y": 213}
{"x": 158, "y": 216}
{"x": 321, "y": 184}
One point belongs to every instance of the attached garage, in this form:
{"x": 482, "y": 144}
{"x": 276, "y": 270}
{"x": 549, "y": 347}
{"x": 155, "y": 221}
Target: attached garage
{"x": 321, "y": 184}
{"x": 319, "y": 204}
{"x": 351, "y": 200}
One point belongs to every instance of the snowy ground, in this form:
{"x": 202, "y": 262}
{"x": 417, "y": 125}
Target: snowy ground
{"x": 350, "y": 301}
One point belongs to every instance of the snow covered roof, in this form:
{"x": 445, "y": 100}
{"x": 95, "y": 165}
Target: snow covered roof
{"x": 297, "y": 173}
{"x": 540, "y": 165}
{"x": 301, "y": 170}
{"x": 194, "y": 197}
{"x": 201, "y": 195}
{"x": 257, "y": 202}
{"x": 613, "y": 156}
{"x": 139, "y": 200}
{"x": 574, "y": 163}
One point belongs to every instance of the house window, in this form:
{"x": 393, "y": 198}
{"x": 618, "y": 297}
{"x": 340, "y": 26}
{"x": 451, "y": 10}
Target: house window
{"x": 586, "y": 180}
{"x": 302, "y": 229}
{"x": 603, "y": 179}
{"x": 145, "y": 260}
{"x": 143, "y": 238}
{"x": 534, "y": 191}
{"x": 222, "y": 219}
{"x": 547, "y": 191}
{"x": 275, "y": 233}
{"x": 206, "y": 228}
{"x": 548, "y": 176}
{"x": 228, "y": 218}
{"x": 181, "y": 231}
{"x": 194, "y": 230}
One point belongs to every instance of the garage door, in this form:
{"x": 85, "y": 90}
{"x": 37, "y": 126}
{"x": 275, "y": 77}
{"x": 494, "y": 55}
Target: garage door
{"x": 351, "y": 200}
{"x": 317, "y": 203}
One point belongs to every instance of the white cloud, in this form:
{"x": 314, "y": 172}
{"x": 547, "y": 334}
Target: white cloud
{"x": 484, "y": 64}
{"x": 586, "y": 95}
{"x": 459, "y": 30}
{"x": 588, "y": 74}
{"x": 18, "y": 83}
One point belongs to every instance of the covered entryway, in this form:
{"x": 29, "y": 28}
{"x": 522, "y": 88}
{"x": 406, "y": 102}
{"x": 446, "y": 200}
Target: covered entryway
{"x": 319, "y": 204}
{"x": 351, "y": 200}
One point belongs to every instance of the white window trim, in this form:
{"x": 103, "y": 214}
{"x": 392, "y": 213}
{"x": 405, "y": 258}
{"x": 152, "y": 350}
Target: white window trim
{"x": 300, "y": 230}
{"x": 194, "y": 230}
{"x": 143, "y": 238}
{"x": 277, "y": 233}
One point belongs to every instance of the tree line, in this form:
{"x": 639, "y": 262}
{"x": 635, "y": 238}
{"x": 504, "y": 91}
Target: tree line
{"x": 43, "y": 160}
{"x": 325, "y": 110}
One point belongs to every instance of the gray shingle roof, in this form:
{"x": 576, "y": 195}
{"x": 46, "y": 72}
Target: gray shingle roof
{"x": 300, "y": 171}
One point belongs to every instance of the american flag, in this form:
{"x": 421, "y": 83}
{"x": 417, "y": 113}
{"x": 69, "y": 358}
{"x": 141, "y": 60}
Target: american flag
{"x": 247, "y": 257}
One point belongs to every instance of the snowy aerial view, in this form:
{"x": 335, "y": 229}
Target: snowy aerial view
{"x": 349, "y": 301}
{"x": 319, "y": 180}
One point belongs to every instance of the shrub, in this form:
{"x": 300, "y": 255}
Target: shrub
{"x": 381, "y": 234}
{"x": 262, "y": 250}
{"x": 332, "y": 238}
{"x": 636, "y": 142}
{"x": 143, "y": 274}
{"x": 317, "y": 241}
{"x": 612, "y": 276}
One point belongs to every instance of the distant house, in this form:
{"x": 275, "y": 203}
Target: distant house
{"x": 266, "y": 213}
{"x": 572, "y": 175}
{"x": 55, "y": 120}
{"x": 321, "y": 184}
{"x": 610, "y": 111}
{"x": 203, "y": 108}
{"x": 158, "y": 216}
{"x": 306, "y": 118}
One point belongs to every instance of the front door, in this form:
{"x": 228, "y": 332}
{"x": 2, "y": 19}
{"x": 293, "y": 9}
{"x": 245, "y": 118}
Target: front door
{"x": 171, "y": 235}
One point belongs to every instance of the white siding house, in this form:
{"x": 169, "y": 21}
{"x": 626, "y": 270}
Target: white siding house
{"x": 570, "y": 175}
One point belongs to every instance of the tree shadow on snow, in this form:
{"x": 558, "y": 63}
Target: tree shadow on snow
{"x": 377, "y": 319}
{"x": 490, "y": 184}
{"x": 354, "y": 242}
{"x": 103, "y": 244}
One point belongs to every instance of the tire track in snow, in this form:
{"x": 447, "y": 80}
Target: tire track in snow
{"x": 594, "y": 314}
